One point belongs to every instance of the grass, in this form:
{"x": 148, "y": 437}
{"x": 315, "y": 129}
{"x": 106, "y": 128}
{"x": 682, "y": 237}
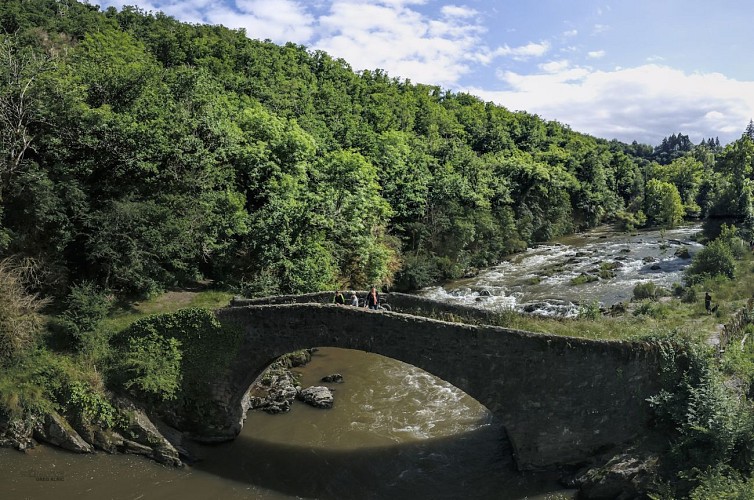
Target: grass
{"x": 125, "y": 313}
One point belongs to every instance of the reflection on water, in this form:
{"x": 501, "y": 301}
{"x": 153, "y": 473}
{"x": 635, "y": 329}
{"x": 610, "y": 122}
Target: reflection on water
{"x": 394, "y": 432}
{"x": 539, "y": 281}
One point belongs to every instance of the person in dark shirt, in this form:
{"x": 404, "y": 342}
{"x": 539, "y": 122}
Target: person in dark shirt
{"x": 707, "y": 302}
{"x": 338, "y": 298}
{"x": 372, "y": 300}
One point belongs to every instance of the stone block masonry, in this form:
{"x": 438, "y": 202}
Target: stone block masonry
{"x": 561, "y": 400}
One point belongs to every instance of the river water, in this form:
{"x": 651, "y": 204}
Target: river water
{"x": 394, "y": 432}
{"x": 539, "y": 280}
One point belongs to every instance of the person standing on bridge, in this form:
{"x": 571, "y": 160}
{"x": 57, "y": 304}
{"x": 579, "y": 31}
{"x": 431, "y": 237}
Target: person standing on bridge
{"x": 354, "y": 299}
{"x": 372, "y": 300}
{"x": 338, "y": 298}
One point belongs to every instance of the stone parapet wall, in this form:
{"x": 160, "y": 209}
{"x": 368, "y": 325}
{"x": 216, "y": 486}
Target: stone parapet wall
{"x": 429, "y": 308}
{"x": 560, "y": 399}
{"x": 735, "y": 326}
{"x": 316, "y": 297}
{"x": 399, "y": 302}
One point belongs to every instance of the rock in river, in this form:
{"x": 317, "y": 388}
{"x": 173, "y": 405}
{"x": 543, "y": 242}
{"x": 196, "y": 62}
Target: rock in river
{"x": 317, "y": 396}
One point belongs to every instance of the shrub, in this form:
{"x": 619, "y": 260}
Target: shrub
{"x": 716, "y": 259}
{"x": 20, "y": 321}
{"x": 89, "y": 405}
{"x": 652, "y": 309}
{"x": 722, "y": 483}
{"x": 590, "y": 311}
{"x": 87, "y": 305}
{"x": 263, "y": 284}
{"x": 729, "y": 236}
{"x": 153, "y": 365}
{"x": 607, "y": 270}
{"x": 646, "y": 290}
{"x": 583, "y": 278}
{"x": 418, "y": 271}
{"x": 709, "y": 425}
{"x": 690, "y": 295}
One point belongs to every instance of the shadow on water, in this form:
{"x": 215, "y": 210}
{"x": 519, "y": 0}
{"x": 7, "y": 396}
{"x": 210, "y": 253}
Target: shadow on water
{"x": 440, "y": 468}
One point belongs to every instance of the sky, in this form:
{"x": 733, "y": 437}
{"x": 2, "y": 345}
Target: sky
{"x": 632, "y": 70}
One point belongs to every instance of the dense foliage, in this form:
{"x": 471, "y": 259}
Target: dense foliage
{"x": 162, "y": 356}
{"x": 139, "y": 152}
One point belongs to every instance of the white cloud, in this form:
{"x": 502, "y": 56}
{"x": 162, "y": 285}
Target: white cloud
{"x": 596, "y": 54}
{"x": 390, "y": 35}
{"x": 571, "y": 33}
{"x": 456, "y": 11}
{"x": 644, "y": 103}
{"x": 280, "y": 21}
{"x": 600, "y": 28}
{"x": 554, "y": 66}
{"x": 525, "y": 51}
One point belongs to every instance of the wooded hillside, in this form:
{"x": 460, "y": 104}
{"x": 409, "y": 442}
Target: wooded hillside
{"x": 139, "y": 152}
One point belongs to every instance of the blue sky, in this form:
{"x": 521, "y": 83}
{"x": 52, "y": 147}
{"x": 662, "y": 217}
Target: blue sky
{"x": 631, "y": 70}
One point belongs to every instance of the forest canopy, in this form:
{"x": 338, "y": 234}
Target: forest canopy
{"x": 138, "y": 153}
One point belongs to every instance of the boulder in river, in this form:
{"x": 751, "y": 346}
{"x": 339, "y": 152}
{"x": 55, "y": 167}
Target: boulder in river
{"x": 683, "y": 253}
{"x": 317, "y": 396}
{"x": 280, "y": 393}
{"x": 333, "y": 378}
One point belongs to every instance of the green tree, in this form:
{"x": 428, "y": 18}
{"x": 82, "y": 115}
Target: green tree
{"x": 354, "y": 214}
{"x": 662, "y": 203}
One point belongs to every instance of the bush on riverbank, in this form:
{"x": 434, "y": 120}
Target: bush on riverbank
{"x": 718, "y": 258}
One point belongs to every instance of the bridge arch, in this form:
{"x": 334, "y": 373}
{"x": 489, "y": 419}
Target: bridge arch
{"x": 560, "y": 399}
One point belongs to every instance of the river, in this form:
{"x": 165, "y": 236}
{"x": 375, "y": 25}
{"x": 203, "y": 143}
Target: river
{"x": 394, "y": 432}
{"x": 540, "y": 280}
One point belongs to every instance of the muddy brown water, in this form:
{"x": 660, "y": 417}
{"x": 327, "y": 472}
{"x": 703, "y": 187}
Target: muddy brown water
{"x": 394, "y": 432}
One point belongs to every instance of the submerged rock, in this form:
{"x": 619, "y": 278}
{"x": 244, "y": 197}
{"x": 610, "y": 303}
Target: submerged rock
{"x": 683, "y": 253}
{"x": 335, "y": 377}
{"x": 317, "y": 396}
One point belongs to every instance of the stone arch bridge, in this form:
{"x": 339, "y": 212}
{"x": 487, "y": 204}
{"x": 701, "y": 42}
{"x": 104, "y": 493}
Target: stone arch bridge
{"x": 561, "y": 400}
